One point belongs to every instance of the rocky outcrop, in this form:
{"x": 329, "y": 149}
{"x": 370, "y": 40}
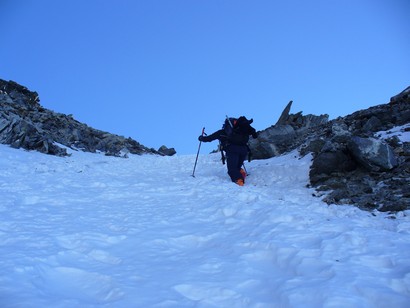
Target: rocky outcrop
{"x": 372, "y": 154}
{"x": 353, "y": 162}
{"x": 356, "y": 164}
{"x": 167, "y": 151}
{"x": 24, "y": 123}
{"x": 287, "y": 134}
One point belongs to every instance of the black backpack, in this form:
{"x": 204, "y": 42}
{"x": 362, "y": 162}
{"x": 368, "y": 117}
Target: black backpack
{"x": 236, "y": 132}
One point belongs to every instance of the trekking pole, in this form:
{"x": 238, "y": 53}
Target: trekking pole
{"x": 197, "y": 154}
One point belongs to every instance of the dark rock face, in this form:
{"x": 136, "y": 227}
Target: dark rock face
{"x": 351, "y": 164}
{"x": 286, "y": 135}
{"x": 374, "y": 172}
{"x": 167, "y": 152}
{"x": 373, "y": 154}
{"x": 25, "y": 124}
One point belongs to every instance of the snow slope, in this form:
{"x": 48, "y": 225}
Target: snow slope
{"x": 97, "y": 231}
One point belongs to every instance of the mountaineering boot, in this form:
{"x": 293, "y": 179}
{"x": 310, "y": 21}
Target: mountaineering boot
{"x": 240, "y": 182}
{"x": 243, "y": 172}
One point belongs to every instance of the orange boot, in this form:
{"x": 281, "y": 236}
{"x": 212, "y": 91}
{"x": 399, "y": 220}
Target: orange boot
{"x": 240, "y": 182}
{"x": 243, "y": 172}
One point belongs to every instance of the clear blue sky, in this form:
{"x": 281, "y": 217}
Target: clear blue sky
{"x": 160, "y": 70}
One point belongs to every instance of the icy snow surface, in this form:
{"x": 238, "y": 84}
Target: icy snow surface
{"x": 97, "y": 231}
{"x": 401, "y": 132}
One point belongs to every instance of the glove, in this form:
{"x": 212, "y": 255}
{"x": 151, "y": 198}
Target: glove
{"x": 201, "y": 138}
